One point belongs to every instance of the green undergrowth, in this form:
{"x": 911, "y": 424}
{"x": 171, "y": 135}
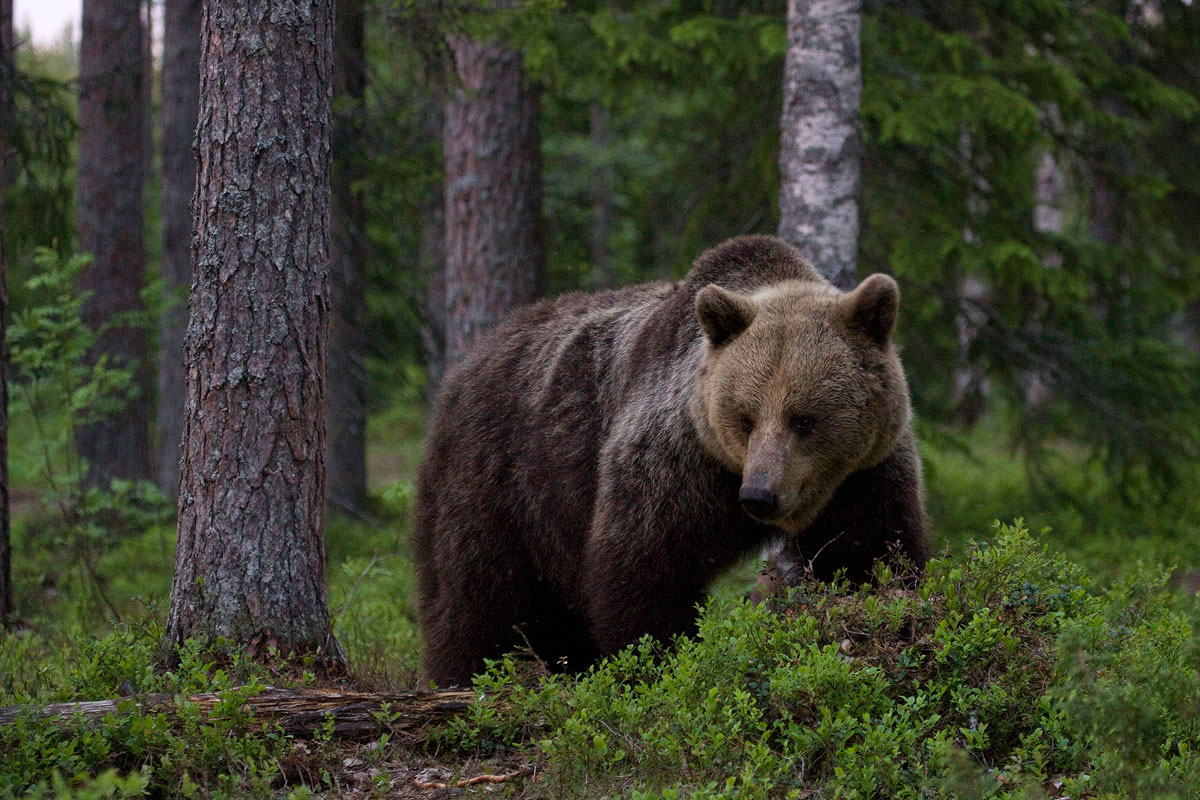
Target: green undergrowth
{"x": 62, "y": 601}
{"x": 135, "y": 754}
{"x": 1107, "y": 524}
{"x": 69, "y": 645}
{"x": 1004, "y": 673}
{"x": 225, "y": 753}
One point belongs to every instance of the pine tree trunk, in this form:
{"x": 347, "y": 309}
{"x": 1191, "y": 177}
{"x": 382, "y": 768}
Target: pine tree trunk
{"x": 971, "y": 384}
{"x": 494, "y": 256}
{"x": 1106, "y": 212}
{"x": 1107, "y": 203}
{"x": 180, "y": 105}
{"x": 1191, "y": 321}
{"x": 148, "y": 115}
{"x": 250, "y": 558}
{"x": 821, "y": 135}
{"x": 6, "y": 63}
{"x": 433, "y": 266}
{"x": 347, "y": 416}
{"x": 111, "y": 174}
{"x": 604, "y": 212}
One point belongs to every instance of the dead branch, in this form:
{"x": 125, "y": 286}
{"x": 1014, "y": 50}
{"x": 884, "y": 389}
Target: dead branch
{"x": 465, "y": 782}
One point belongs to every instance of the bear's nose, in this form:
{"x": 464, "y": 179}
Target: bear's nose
{"x": 759, "y": 503}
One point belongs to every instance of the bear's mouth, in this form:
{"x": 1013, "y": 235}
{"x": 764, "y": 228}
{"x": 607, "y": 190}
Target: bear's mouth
{"x": 766, "y": 519}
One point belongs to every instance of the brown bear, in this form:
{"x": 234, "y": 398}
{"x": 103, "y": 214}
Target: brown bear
{"x": 600, "y": 458}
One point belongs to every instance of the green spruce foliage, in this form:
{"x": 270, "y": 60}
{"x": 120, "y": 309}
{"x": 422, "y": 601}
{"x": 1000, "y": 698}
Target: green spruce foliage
{"x": 1076, "y": 327}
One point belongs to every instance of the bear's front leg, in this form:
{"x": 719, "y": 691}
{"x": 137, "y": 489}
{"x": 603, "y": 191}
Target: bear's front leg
{"x": 648, "y": 564}
{"x": 627, "y": 602}
{"x": 665, "y": 524}
{"x": 638, "y": 576}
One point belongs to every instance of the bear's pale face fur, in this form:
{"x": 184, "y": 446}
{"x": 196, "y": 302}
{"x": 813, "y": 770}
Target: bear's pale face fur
{"x": 800, "y": 387}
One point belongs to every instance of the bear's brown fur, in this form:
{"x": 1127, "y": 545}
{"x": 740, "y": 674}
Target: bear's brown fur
{"x": 594, "y": 463}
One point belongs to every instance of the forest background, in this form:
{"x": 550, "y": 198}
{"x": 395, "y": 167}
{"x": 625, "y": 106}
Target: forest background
{"x": 1030, "y": 175}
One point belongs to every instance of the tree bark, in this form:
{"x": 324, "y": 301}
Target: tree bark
{"x": 1049, "y": 192}
{"x": 494, "y": 255}
{"x": 148, "y": 115}
{"x": 604, "y": 211}
{"x": 1050, "y": 186}
{"x": 347, "y": 416}
{"x": 1107, "y": 213}
{"x": 298, "y": 712}
{"x": 180, "y": 105}
{"x": 1107, "y": 203}
{"x": 433, "y": 267}
{"x": 1191, "y": 321}
{"x": 971, "y": 385}
{"x": 250, "y": 558}
{"x": 111, "y": 175}
{"x": 6, "y": 65}
{"x": 433, "y": 263}
{"x": 820, "y": 151}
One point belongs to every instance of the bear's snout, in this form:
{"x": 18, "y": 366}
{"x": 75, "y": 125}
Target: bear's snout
{"x": 759, "y": 503}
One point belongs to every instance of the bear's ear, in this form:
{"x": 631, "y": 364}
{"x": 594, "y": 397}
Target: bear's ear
{"x": 723, "y": 314}
{"x": 871, "y": 309}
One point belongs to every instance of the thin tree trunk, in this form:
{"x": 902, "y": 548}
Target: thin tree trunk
{"x": 433, "y": 263}
{"x": 1107, "y": 212}
{"x": 1050, "y": 186}
{"x": 180, "y": 105}
{"x": 111, "y": 175}
{"x": 1108, "y": 206}
{"x": 604, "y": 212}
{"x": 6, "y": 65}
{"x": 250, "y": 558}
{"x": 347, "y": 416}
{"x": 971, "y": 385}
{"x": 147, "y": 92}
{"x": 821, "y": 135}
{"x": 494, "y": 256}
{"x": 1191, "y": 321}
{"x": 433, "y": 267}
{"x": 1049, "y": 191}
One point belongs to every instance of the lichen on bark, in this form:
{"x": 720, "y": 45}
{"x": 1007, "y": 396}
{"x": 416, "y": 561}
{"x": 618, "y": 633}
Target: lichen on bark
{"x": 250, "y": 556}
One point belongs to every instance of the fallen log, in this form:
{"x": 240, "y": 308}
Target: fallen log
{"x": 297, "y": 712}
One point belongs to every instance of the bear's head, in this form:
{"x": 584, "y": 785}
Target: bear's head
{"x": 800, "y": 387}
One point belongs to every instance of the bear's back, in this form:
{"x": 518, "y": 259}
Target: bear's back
{"x": 608, "y": 338}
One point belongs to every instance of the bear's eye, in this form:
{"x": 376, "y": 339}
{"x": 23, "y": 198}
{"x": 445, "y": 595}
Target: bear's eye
{"x": 746, "y": 423}
{"x": 802, "y": 424}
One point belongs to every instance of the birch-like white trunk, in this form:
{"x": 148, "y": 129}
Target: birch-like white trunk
{"x": 1050, "y": 187}
{"x": 821, "y": 135}
{"x": 1049, "y": 193}
{"x": 820, "y": 160}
